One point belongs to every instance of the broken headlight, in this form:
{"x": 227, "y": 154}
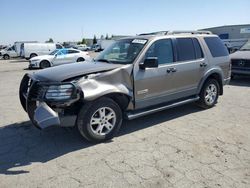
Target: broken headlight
{"x": 60, "y": 92}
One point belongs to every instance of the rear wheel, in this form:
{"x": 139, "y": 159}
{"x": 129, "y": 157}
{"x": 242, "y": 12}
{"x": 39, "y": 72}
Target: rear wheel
{"x": 80, "y": 59}
{"x": 32, "y": 55}
{"x": 44, "y": 64}
{"x": 99, "y": 121}
{"x": 209, "y": 94}
{"x": 6, "y": 56}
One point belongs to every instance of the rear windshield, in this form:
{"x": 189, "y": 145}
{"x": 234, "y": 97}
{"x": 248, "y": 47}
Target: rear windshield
{"x": 216, "y": 47}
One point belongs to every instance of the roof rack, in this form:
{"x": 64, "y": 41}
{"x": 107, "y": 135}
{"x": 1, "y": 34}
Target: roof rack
{"x": 154, "y": 33}
{"x": 189, "y": 32}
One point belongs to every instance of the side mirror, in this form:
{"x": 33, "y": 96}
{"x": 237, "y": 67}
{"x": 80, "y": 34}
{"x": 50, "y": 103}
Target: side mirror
{"x": 55, "y": 55}
{"x": 150, "y": 62}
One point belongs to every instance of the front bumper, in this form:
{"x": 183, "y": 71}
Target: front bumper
{"x": 40, "y": 112}
{"x": 45, "y": 117}
{"x": 33, "y": 64}
{"x": 241, "y": 71}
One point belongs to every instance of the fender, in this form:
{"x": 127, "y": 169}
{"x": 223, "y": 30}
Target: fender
{"x": 209, "y": 72}
{"x": 118, "y": 81}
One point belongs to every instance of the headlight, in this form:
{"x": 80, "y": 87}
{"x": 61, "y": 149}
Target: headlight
{"x": 59, "y": 92}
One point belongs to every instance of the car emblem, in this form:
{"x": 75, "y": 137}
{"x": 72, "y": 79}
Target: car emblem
{"x": 241, "y": 63}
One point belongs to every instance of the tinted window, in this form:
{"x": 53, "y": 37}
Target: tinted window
{"x": 185, "y": 49}
{"x": 216, "y": 47}
{"x": 198, "y": 50}
{"x": 58, "y": 46}
{"x": 162, "y": 49}
{"x": 72, "y": 51}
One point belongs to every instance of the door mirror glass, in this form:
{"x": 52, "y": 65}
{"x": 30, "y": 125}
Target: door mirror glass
{"x": 149, "y": 62}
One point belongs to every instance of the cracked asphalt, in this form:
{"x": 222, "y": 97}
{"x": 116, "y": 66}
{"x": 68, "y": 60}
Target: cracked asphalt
{"x": 180, "y": 147}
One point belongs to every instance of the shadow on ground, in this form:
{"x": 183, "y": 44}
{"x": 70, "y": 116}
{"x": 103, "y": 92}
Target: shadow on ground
{"x": 18, "y": 61}
{"x": 240, "y": 81}
{"x": 22, "y": 144}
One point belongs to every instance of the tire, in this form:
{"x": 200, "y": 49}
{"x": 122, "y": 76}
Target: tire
{"x": 44, "y": 64}
{"x": 32, "y": 55}
{"x": 80, "y": 59}
{"x": 209, "y": 94}
{"x": 93, "y": 126}
{"x": 6, "y": 57}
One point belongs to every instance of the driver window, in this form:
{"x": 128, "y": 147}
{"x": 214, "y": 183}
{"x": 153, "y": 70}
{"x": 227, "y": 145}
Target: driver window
{"x": 163, "y": 50}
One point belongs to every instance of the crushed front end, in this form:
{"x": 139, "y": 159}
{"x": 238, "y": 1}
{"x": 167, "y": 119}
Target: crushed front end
{"x": 50, "y": 103}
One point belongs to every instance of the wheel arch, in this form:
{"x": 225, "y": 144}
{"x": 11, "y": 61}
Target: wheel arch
{"x": 213, "y": 74}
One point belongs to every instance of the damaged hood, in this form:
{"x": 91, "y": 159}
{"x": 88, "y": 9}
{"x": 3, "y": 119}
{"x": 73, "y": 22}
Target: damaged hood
{"x": 64, "y": 72}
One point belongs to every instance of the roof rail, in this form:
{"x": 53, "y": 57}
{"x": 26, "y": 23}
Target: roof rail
{"x": 190, "y": 32}
{"x": 155, "y": 33}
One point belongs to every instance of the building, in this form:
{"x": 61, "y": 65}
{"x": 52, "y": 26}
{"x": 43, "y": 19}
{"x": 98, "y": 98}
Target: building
{"x": 233, "y": 36}
{"x": 231, "y": 31}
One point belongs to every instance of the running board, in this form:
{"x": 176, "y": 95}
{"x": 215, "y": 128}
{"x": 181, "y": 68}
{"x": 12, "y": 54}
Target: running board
{"x": 134, "y": 115}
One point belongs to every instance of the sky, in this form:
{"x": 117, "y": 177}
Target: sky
{"x": 72, "y": 20}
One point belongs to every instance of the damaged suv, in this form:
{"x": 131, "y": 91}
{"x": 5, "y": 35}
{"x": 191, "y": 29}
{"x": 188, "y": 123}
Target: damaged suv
{"x": 134, "y": 77}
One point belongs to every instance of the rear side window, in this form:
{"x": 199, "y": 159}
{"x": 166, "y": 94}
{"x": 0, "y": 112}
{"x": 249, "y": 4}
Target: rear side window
{"x": 198, "y": 50}
{"x": 216, "y": 47}
{"x": 185, "y": 49}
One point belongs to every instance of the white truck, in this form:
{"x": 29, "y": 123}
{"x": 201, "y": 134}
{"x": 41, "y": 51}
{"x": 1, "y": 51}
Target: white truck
{"x": 30, "y": 50}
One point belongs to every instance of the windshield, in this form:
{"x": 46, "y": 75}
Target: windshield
{"x": 246, "y": 46}
{"x": 122, "y": 51}
{"x": 54, "y": 52}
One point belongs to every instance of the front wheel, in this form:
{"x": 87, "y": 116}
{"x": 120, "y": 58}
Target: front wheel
{"x": 6, "y": 57}
{"x": 209, "y": 94}
{"x": 44, "y": 64}
{"x": 99, "y": 121}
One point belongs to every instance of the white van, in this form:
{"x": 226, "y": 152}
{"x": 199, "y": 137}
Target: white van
{"x": 18, "y": 44}
{"x": 29, "y": 50}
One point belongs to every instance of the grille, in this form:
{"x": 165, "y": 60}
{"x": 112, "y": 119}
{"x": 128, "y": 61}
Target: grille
{"x": 36, "y": 91}
{"x": 240, "y": 63}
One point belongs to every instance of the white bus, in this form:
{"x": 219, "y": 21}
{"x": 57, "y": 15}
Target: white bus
{"x": 29, "y": 50}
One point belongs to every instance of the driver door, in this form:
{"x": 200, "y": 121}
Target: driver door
{"x": 154, "y": 85}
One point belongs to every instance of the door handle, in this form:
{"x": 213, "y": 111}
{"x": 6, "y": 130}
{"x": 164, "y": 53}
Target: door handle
{"x": 203, "y": 64}
{"x": 169, "y": 70}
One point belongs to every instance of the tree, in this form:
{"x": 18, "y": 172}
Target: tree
{"x": 94, "y": 40}
{"x": 107, "y": 36}
{"x": 102, "y": 37}
{"x": 50, "y": 40}
{"x": 84, "y": 41}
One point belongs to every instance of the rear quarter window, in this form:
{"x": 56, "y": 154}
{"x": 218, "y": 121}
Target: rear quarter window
{"x": 216, "y": 46}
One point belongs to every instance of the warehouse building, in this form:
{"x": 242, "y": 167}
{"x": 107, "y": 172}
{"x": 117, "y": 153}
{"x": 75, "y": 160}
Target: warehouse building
{"x": 233, "y": 36}
{"x": 231, "y": 31}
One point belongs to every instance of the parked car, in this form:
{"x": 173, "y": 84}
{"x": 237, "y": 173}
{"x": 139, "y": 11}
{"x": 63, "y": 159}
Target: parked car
{"x": 8, "y": 52}
{"x": 132, "y": 78}
{"x": 29, "y": 50}
{"x": 83, "y": 47}
{"x": 58, "y": 57}
{"x": 241, "y": 60}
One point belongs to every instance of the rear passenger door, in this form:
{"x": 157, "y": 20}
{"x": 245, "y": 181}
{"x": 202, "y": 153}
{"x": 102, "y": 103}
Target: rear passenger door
{"x": 189, "y": 67}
